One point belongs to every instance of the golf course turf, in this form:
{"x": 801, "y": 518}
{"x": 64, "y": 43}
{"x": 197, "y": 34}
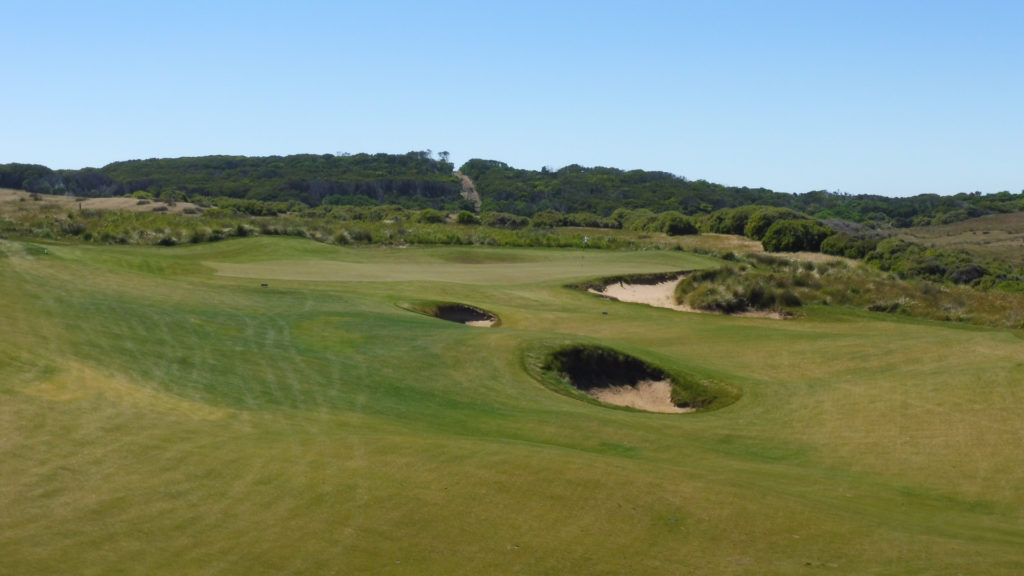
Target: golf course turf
{"x": 164, "y": 412}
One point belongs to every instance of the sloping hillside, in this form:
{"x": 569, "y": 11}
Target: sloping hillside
{"x": 997, "y": 236}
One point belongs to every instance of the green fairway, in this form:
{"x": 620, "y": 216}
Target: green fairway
{"x": 270, "y": 406}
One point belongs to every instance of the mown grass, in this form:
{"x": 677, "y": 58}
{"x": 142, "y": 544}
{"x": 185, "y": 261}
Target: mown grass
{"x": 162, "y": 412}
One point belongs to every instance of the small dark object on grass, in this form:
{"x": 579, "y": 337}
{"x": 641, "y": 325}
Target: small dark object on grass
{"x": 604, "y": 313}
{"x": 263, "y": 285}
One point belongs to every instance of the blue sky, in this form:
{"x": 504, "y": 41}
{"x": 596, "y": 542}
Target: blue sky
{"x": 895, "y": 98}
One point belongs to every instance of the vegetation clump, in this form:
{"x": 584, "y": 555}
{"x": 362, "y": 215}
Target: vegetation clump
{"x": 913, "y": 261}
{"x": 769, "y": 283}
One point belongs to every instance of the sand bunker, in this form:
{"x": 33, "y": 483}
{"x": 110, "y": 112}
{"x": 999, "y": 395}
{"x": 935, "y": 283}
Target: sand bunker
{"x": 456, "y": 312}
{"x": 661, "y": 295}
{"x": 468, "y": 315}
{"x": 647, "y": 395}
{"x": 616, "y": 378}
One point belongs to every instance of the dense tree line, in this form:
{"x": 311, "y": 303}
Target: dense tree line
{"x": 414, "y": 180}
{"x": 576, "y": 195}
{"x": 602, "y": 190}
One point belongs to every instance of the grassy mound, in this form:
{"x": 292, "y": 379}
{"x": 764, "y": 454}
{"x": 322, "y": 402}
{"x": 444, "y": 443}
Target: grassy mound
{"x": 731, "y": 290}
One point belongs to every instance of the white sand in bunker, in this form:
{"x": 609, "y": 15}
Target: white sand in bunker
{"x": 661, "y": 295}
{"x": 481, "y": 323}
{"x": 649, "y": 395}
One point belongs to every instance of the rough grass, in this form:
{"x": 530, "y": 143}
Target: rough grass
{"x": 996, "y": 236}
{"x": 163, "y": 413}
{"x": 764, "y": 282}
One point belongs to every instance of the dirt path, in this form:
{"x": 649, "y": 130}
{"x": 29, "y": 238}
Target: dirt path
{"x": 469, "y": 190}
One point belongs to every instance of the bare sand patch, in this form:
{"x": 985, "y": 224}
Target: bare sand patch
{"x": 649, "y": 395}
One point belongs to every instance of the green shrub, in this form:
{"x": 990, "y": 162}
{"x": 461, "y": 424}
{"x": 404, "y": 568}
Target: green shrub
{"x": 504, "y": 220}
{"x": 466, "y": 217}
{"x": 674, "y": 224}
{"x": 715, "y": 298}
{"x": 761, "y": 220}
{"x": 795, "y": 236}
{"x": 843, "y": 244}
{"x": 729, "y": 220}
{"x": 640, "y": 220}
{"x": 429, "y": 216}
{"x": 548, "y": 219}
{"x": 360, "y": 235}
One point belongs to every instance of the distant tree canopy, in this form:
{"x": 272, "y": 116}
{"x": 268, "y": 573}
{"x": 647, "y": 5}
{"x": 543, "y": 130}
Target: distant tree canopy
{"x": 418, "y": 180}
{"x": 602, "y": 191}
{"x": 418, "y": 189}
{"x": 414, "y": 180}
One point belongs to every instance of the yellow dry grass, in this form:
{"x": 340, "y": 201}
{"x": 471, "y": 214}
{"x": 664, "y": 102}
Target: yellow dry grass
{"x": 11, "y": 199}
{"x": 78, "y": 381}
{"x": 998, "y": 236}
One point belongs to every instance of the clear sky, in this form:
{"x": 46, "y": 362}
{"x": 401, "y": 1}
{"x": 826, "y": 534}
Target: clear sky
{"x": 867, "y": 97}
